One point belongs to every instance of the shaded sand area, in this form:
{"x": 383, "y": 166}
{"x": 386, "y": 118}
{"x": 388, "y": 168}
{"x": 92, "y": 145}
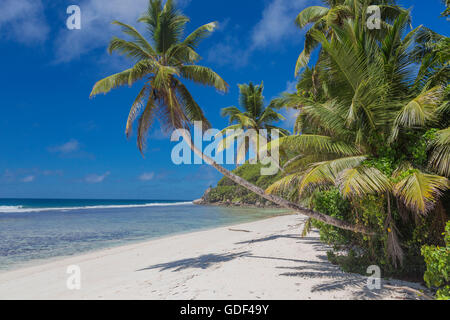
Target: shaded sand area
{"x": 260, "y": 260}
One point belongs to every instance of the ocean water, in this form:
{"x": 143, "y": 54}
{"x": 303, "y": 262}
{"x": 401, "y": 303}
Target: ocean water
{"x": 32, "y": 231}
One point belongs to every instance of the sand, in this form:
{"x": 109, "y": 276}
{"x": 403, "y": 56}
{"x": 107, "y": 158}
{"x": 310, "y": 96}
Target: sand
{"x": 260, "y": 260}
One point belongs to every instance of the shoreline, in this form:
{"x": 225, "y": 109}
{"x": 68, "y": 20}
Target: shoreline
{"x": 228, "y": 262}
{"x": 43, "y": 261}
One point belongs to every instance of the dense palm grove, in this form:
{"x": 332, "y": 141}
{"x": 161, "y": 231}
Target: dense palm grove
{"x": 372, "y": 134}
{"x": 369, "y": 159}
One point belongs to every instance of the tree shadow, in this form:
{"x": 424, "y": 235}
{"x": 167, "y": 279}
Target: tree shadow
{"x": 201, "y": 262}
{"x": 276, "y": 237}
{"x": 332, "y": 277}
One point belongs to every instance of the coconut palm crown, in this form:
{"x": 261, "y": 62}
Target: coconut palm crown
{"x": 161, "y": 61}
{"x": 255, "y": 116}
{"x": 334, "y": 14}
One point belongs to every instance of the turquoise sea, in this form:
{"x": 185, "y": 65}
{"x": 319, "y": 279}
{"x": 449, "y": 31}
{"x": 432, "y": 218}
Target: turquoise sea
{"x": 34, "y": 230}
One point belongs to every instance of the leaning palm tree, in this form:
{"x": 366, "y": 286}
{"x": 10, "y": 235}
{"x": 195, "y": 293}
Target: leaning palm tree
{"x": 254, "y": 117}
{"x": 162, "y": 63}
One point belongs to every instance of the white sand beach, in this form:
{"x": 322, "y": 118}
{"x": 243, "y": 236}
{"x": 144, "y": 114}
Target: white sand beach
{"x": 259, "y": 260}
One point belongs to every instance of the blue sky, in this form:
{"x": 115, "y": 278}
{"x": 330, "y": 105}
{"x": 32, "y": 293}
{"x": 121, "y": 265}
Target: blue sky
{"x": 58, "y": 143}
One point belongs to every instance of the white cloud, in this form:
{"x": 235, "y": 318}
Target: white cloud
{"x": 277, "y": 22}
{"x": 69, "y": 147}
{"x": 95, "y": 178}
{"x": 52, "y": 172}
{"x": 28, "y": 179}
{"x": 291, "y": 87}
{"x": 147, "y": 176}
{"x": 183, "y": 3}
{"x": 23, "y": 21}
{"x": 96, "y": 28}
{"x": 228, "y": 52}
{"x": 276, "y": 25}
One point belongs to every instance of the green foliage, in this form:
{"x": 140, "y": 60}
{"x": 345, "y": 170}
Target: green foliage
{"x": 228, "y": 191}
{"x": 164, "y": 59}
{"x": 331, "y": 203}
{"x": 373, "y": 138}
{"x": 352, "y": 262}
{"x": 438, "y": 266}
{"x": 419, "y": 149}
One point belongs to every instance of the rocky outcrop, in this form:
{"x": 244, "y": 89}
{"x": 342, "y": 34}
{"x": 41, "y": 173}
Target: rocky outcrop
{"x": 205, "y": 199}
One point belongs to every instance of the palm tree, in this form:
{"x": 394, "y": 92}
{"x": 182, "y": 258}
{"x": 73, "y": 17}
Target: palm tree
{"x": 358, "y": 120}
{"x": 334, "y": 14}
{"x": 255, "y": 117}
{"x": 161, "y": 63}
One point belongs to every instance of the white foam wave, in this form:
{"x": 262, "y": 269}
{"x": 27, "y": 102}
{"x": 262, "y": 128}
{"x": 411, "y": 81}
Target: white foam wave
{"x": 21, "y": 209}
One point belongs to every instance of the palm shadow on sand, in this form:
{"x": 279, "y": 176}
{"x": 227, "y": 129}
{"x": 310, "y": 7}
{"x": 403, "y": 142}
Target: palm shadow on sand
{"x": 201, "y": 262}
{"x": 333, "y": 279}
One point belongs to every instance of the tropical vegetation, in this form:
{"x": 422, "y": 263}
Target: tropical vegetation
{"x": 372, "y": 137}
{"x": 369, "y": 160}
{"x": 255, "y": 117}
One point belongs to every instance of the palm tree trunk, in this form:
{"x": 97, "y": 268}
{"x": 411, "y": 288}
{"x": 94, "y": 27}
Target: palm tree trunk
{"x": 275, "y": 199}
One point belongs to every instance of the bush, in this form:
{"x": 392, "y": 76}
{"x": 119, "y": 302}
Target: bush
{"x": 354, "y": 252}
{"x": 331, "y": 203}
{"x": 437, "y": 260}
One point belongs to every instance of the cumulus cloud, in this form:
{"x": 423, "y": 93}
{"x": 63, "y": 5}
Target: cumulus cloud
{"x": 95, "y": 178}
{"x": 277, "y": 22}
{"x": 66, "y": 148}
{"x": 23, "y": 21}
{"x": 275, "y": 26}
{"x": 96, "y": 28}
{"x": 147, "y": 176}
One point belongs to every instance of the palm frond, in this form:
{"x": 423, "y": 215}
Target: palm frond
{"x": 137, "y": 106}
{"x": 308, "y": 143}
{"x": 362, "y": 181}
{"x": 420, "y": 110}
{"x": 420, "y": 191}
{"x": 307, "y": 227}
{"x": 310, "y": 15}
{"x": 440, "y": 157}
{"x": 285, "y": 183}
{"x": 328, "y": 172}
{"x": 138, "y": 38}
{"x": 204, "y": 76}
{"x": 129, "y": 49}
{"x": 169, "y": 28}
{"x": 199, "y": 34}
{"x": 144, "y": 124}
{"x": 191, "y": 108}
